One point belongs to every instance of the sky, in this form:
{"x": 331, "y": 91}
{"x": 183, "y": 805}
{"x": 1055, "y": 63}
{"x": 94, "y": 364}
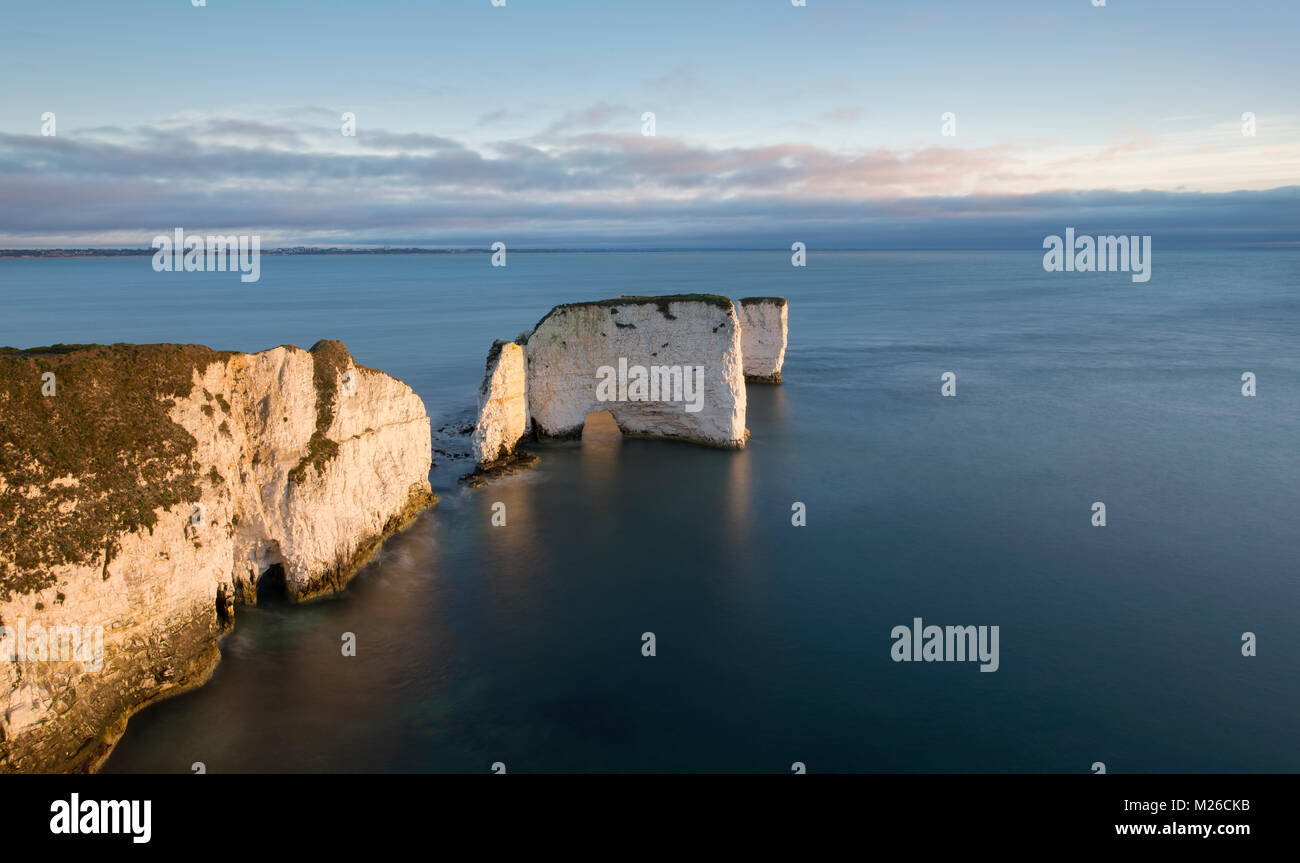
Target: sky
{"x": 523, "y": 123}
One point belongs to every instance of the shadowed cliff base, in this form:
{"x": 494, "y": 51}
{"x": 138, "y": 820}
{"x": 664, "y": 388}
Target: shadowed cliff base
{"x": 507, "y": 465}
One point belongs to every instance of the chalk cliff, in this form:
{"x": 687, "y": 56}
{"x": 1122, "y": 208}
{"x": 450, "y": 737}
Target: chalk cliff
{"x": 570, "y": 346}
{"x": 502, "y": 404}
{"x": 765, "y": 322}
{"x": 670, "y": 366}
{"x": 144, "y": 490}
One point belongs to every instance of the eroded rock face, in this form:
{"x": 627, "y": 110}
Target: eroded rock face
{"x": 764, "y": 331}
{"x": 204, "y": 469}
{"x": 672, "y": 366}
{"x": 502, "y": 405}
{"x": 588, "y": 357}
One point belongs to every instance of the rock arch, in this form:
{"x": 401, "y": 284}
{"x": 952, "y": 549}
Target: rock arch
{"x": 671, "y": 366}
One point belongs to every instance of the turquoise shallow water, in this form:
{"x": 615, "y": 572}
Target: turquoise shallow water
{"x": 522, "y": 644}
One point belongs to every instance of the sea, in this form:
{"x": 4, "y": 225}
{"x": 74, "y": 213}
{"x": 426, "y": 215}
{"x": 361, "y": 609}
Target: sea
{"x": 1166, "y": 640}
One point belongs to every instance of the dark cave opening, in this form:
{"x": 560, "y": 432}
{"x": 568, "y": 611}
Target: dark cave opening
{"x": 271, "y": 586}
{"x": 223, "y": 608}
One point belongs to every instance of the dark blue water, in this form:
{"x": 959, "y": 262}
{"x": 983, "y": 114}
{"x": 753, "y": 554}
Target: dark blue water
{"x": 522, "y": 644}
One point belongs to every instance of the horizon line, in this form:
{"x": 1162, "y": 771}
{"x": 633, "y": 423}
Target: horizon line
{"x": 133, "y": 251}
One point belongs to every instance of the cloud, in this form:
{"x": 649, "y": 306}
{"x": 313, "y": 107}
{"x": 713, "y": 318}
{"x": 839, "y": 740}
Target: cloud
{"x": 843, "y": 116}
{"x": 492, "y": 118}
{"x": 299, "y": 182}
{"x": 682, "y": 79}
{"x": 598, "y": 116}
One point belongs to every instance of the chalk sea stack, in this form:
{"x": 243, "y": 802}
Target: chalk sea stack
{"x": 145, "y": 489}
{"x": 545, "y": 383}
{"x": 764, "y": 327}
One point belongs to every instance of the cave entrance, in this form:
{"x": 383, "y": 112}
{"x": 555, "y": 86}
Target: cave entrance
{"x": 223, "y": 608}
{"x": 600, "y": 426}
{"x": 272, "y": 589}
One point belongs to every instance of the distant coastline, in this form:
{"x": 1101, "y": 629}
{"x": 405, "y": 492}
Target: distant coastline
{"x": 396, "y": 250}
{"x": 288, "y": 250}
{"x": 386, "y": 250}
{"x": 416, "y": 250}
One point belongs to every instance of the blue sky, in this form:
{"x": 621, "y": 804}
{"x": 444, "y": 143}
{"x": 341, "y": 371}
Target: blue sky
{"x": 523, "y": 122}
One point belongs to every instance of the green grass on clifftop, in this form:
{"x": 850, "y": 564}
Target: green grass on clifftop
{"x": 101, "y": 454}
{"x": 329, "y": 358}
{"x": 662, "y": 303}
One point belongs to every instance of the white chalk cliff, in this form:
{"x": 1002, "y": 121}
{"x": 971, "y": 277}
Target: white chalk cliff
{"x": 286, "y": 457}
{"x": 502, "y": 404}
{"x": 548, "y": 381}
{"x": 765, "y": 323}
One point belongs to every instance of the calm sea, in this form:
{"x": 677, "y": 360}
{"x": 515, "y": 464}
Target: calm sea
{"x": 522, "y": 644}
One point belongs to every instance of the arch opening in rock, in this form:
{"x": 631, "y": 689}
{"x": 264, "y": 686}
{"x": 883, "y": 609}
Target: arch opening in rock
{"x": 272, "y": 588}
{"x": 670, "y": 366}
{"x": 600, "y": 426}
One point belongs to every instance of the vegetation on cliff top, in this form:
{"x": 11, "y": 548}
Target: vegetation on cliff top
{"x": 95, "y": 459}
{"x": 101, "y": 455}
{"x": 661, "y": 303}
{"x": 495, "y": 351}
{"x": 776, "y": 301}
{"x": 329, "y": 359}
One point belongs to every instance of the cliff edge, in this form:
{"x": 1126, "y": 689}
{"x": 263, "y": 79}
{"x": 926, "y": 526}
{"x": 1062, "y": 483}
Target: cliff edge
{"x": 145, "y": 489}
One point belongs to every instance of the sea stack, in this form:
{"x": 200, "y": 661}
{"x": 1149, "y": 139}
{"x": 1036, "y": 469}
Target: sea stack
{"x": 765, "y": 322}
{"x": 144, "y": 489}
{"x": 671, "y": 366}
{"x": 502, "y": 405}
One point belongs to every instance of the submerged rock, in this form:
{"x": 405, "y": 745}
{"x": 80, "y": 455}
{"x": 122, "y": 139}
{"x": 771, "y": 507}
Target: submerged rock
{"x": 508, "y": 465}
{"x": 144, "y": 489}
